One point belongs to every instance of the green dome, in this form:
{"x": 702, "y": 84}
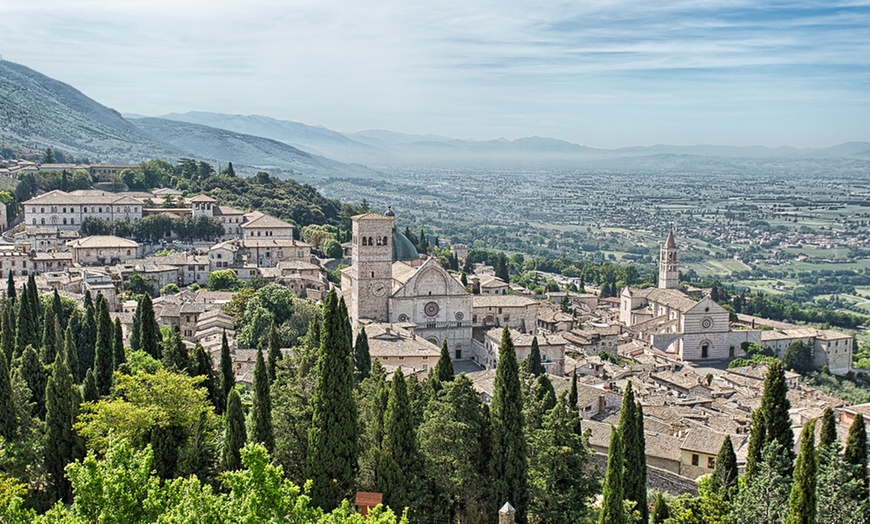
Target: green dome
{"x": 403, "y": 249}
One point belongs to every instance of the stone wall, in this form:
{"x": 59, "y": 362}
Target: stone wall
{"x": 656, "y": 478}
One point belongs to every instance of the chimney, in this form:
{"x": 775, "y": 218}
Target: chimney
{"x": 507, "y": 514}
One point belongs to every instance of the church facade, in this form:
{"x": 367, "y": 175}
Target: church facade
{"x": 389, "y": 282}
{"x": 671, "y": 321}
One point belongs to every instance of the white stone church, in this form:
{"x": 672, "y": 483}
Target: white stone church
{"x": 671, "y": 321}
{"x": 388, "y": 282}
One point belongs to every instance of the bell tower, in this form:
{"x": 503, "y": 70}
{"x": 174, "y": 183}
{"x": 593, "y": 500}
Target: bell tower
{"x": 669, "y": 264}
{"x": 371, "y": 266}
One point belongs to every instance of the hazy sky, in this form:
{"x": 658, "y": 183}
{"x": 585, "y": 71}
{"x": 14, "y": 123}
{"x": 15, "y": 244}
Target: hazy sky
{"x": 603, "y": 73}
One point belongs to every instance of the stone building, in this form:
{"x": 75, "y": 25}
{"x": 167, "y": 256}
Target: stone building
{"x": 67, "y": 210}
{"x": 102, "y": 250}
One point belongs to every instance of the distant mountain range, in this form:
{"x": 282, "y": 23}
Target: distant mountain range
{"x": 38, "y": 112}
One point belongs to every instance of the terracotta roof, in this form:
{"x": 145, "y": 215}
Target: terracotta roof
{"x": 371, "y": 215}
{"x": 265, "y": 222}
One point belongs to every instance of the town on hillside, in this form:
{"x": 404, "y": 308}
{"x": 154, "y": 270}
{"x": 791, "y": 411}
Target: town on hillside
{"x": 672, "y": 342}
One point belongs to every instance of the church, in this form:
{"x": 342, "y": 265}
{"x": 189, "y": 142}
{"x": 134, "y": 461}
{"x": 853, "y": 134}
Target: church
{"x": 670, "y": 320}
{"x": 388, "y": 282}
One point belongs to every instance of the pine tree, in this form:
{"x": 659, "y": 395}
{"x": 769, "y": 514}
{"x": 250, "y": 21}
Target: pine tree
{"x": 227, "y": 377}
{"x": 724, "y": 479}
{"x": 573, "y": 395}
{"x": 104, "y": 364}
{"x": 49, "y": 337}
{"x": 87, "y": 340}
{"x": 856, "y": 450}
{"x": 35, "y": 310}
{"x": 775, "y": 406}
{"x": 33, "y": 372}
{"x": 25, "y": 323}
{"x": 443, "y": 371}
{"x": 62, "y": 400}
{"x": 90, "y": 393}
{"x": 201, "y": 366}
{"x": 7, "y": 336}
{"x": 136, "y": 330}
{"x": 332, "y": 439}
{"x": 509, "y": 454}
{"x": 234, "y": 439}
{"x": 756, "y": 443}
{"x": 361, "y": 355}
{"x": 534, "y": 359}
{"x": 771, "y": 483}
{"x": 274, "y": 351}
{"x": 802, "y": 502}
{"x": 70, "y": 353}
{"x": 631, "y": 429}
{"x": 660, "y": 512}
{"x": 399, "y": 461}
{"x": 119, "y": 355}
{"x": 175, "y": 354}
{"x": 828, "y": 435}
{"x": 149, "y": 331}
{"x": 8, "y": 426}
{"x": 57, "y": 309}
{"x": 10, "y": 287}
{"x": 545, "y": 394}
{"x": 612, "y": 508}
{"x": 261, "y": 408}
{"x": 838, "y": 492}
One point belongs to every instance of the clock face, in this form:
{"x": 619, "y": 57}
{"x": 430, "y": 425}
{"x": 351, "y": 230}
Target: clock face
{"x": 378, "y": 289}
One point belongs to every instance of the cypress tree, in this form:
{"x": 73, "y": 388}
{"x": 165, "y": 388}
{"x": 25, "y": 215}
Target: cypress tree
{"x": 201, "y": 366}
{"x": 545, "y": 393}
{"x": 509, "y": 454}
{"x": 775, "y": 406}
{"x": 634, "y": 487}
{"x": 119, "y": 355}
{"x": 227, "y": 378}
{"x": 261, "y": 407}
{"x": 399, "y": 461}
{"x": 49, "y": 337}
{"x": 572, "y": 395}
{"x": 33, "y": 372}
{"x": 104, "y": 364}
{"x": 443, "y": 371}
{"x": 7, "y": 336}
{"x": 756, "y": 443}
{"x": 136, "y": 330}
{"x": 57, "y": 309}
{"x": 856, "y": 450}
{"x": 62, "y": 402}
{"x": 348, "y": 329}
{"x": 802, "y": 501}
{"x": 90, "y": 393}
{"x": 10, "y": 287}
{"x": 534, "y": 359}
{"x": 828, "y": 435}
{"x": 8, "y": 426}
{"x": 640, "y": 462}
{"x": 274, "y": 351}
{"x": 764, "y": 496}
{"x": 235, "y": 436}
{"x": 612, "y": 509}
{"x": 25, "y": 324}
{"x": 149, "y": 331}
{"x": 361, "y": 355}
{"x": 70, "y": 353}
{"x": 87, "y": 338}
{"x": 333, "y": 447}
{"x": 660, "y": 513}
{"x": 175, "y": 354}
{"x": 724, "y": 478}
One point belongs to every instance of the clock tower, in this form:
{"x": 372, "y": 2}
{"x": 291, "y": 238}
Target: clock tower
{"x": 372, "y": 266}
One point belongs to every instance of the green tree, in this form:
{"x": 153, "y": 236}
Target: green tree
{"x": 771, "y": 483}
{"x": 612, "y": 508}
{"x": 660, "y": 512}
{"x": 798, "y": 356}
{"x": 90, "y": 393}
{"x": 802, "y": 501}
{"x": 87, "y": 337}
{"x": 372, "y": 394}
{"x": 775, "y": 406}
{"x": 838, "y": 492}
{"x": 49, "y": 337}
{"x": 70, "y": 353}
{"x": 828, "y": 434}
{"x": 501, "y": 271}
{"x": 561, "y": 489}
{"x": 509, "y": 455}
{"x": 634, "y": 451}
{"x": 104, "y": 364}
{"x": 362, "y": 358}
{"x": 175, "y": 354}
{"x": 332, "y": 439}
{"x": 136, "y": 329}
{"x": 573, "y": 395}
{"x": 149, "y": 331}
{"x": 234, "y": 437}
{"x": 7, "y": 336}
{"x": 10, "y": 287}
{"x": 274, "y": 352}
{"x": 227, "y": 378}
{"x": 399, "y": 462}
{"x": 261, "y": 409}
{"x": 534, "y": 359}
{"x": 756, "y": 443}
{"x": 724, "y": 479}
{"x": 119, "y": 354}
{"x": 201, "y": 366}
{"x": 35, "y": 375}
{"x": 443, "y": 371}
{"x": 8, "y": 423}
{"x": 856, "y": 451}
{"x": 62, "y": 405}
{"x": 224, "y": 280}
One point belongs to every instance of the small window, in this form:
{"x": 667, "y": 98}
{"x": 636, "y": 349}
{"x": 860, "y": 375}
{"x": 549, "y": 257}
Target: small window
{"x": 695, "y": 459}
{"x": 710, "y": 462}
{"x": 705, "y": 351}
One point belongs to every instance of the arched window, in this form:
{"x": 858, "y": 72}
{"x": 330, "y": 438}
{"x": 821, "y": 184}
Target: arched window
{"x": 385, "y": 241}
{"x": 64, "y": 210}
{"x": 365, "y": 241}
{"x": 378, "y": 240}
{"x": 34, "y": 221}
{"x": 42, "y": 221}
{"x": 72, "y": 221}
{"x": 129, "y": 253}
{"x": 42, "y": 210}
{"x": 370, "y": 241}
{"x": 64, "y": 221}
{"x": 101, "y": 210}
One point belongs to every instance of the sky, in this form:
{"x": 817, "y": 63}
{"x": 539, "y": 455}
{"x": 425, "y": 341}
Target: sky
{"x": 603, "y": 73}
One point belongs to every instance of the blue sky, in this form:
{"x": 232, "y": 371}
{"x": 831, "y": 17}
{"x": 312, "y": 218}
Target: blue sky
{"x": 604, "y": 73}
